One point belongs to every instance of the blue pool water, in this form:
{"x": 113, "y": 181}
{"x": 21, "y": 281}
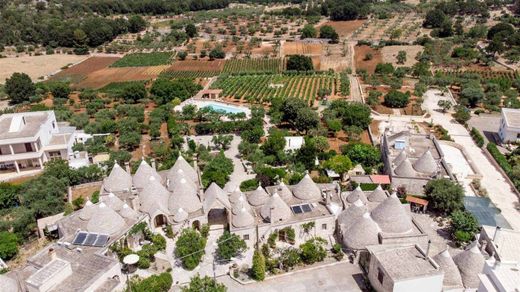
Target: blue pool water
{"x": 224, "y": 108}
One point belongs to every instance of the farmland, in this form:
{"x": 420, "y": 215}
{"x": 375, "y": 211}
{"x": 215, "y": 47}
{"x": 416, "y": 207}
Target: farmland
{"x": 301, "y": 48}
{"x": 76, "y": 73}
{"x": 403, "y": 27}
{"x": 106, "y": 76}
{"x": 486, "y": 74}
{"x": 261, "y": 88}
{"x": 144, "y": 59}
{"x": 254, "y": 66}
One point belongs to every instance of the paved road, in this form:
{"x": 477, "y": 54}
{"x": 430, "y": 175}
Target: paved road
{"x": 337, "y": 278}
{"x": 499, "y": 190}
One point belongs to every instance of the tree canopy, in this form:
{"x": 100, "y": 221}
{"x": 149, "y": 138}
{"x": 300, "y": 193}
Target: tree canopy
{"x": 444, "y": 195}
{"x": 230, "y": 245}
{"x": 299, "y": 63}
{"x": 19, "y": 87}
{"x": 189, "y": 248}
{"x": 206, "y": 284}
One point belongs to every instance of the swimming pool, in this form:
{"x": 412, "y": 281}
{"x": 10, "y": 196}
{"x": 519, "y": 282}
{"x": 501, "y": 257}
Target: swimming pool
{"x": 224, "y": 108}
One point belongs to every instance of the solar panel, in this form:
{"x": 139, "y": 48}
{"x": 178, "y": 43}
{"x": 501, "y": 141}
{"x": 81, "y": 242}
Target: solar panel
{"x": 91, "y": 238}
{"x": 80, "y": 238}
{"x": 101, "y": 240}
{"x": 306, "y": 208}
{"x": 297, "y": 209}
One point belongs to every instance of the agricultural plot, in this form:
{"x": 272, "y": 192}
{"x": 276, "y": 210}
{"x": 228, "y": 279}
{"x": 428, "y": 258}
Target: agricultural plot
{"x": 115, "y": 88}
{"x": 488, "y": 74}
{"x": 103, "y": 77}
{"x": 254, "y": 66}
{"x": 404, "y": 27}
{"x": 76, "y": 73}
{"x": 261, "y": 88}
{"x": 389, "y": 54}
{"x": 301, "y": 48}
{"x": 194, "y": 69}
{"x": 144, "y": 59}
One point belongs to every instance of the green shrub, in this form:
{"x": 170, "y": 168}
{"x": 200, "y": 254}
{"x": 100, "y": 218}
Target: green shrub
{"x": 249, "y": 185}
{"x": 462, "y": 236}
{"x": 155, "y": 283}
{"x": 397, "y": 99}
{"x": 477, "y": 137}
{"x": 313, "y": 250}
{"x": 258, "y": 269}
{"x": 143, "y": 263}
{"x": 499, "y": 157}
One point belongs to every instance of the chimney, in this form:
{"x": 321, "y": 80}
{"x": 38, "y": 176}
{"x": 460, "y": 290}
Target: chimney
{"x": 496, "y": 233}
{"x": 327, "y": 198}
{"x": 52, "y": 253}
{"x": 154, "y": 166}
{"x": 427, "y": 249}
{"x": 127, "y": 167}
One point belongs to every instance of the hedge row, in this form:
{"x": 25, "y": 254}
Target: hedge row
{"x": 499, "y": 157}
{"x": 477, "y": 137}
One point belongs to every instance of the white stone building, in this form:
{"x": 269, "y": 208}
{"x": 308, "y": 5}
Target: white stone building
{"x": 30, "y": 139}
{"x": 509, "y": 130}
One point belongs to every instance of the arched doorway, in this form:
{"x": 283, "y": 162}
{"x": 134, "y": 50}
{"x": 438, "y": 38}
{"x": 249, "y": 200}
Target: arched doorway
{"x": 160, "y": 220}
{"x": 196, "y": 224}
{"x": 217, "y": 218}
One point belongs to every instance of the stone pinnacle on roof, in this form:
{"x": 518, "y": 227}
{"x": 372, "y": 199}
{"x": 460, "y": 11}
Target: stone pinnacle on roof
{"x": 258, "y": 197}
{"x": 275, "y": 210}
{"x": 426, "y": 163}
{"x": 118, "y": 180}
{"x": 143, "y": 173}
{"x": 307, "y": 189}
{"x": 377, "y": 195}
{"x": 391, "y": 216}
{"x": 86, "y": 212}
{"x": 242, "y": 219}
{"x": 470, "y": 263}
{"x": 452, "y": 278}
{"x": 363, "y": 232}
{"x": 357, "y": 194}
{"x": 105, "y": 220}
{"x": 284, "y": 192}
{"x": 405, "y": 169}
{"x": 239, "y": 204}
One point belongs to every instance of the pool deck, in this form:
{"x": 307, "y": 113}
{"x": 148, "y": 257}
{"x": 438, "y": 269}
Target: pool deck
{"x": 200, "y": 103}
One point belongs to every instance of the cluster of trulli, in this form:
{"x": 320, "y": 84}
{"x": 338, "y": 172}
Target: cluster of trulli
{"x": 273, "y": 206}
{"x": 462, "y": 270}
{"x": 425, "y": 164}
{"x": 175, "y": 195}
{"x": 359, "y": 226}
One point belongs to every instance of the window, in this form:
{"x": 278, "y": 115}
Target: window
{"x": 324, "y": 226}
{"x": 380, "y": 275}
{"x": 28, "y": 147}
{"x": 53, "y": 125}
{"x": 246, "y": 236}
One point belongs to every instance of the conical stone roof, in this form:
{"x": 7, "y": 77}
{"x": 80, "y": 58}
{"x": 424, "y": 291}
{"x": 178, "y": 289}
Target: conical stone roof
{"x": 180, "y": 177}
{"x": 391, "y": 216}
{"x": 239, "y": 204}
{"x": 470, "y": 263}
{"x": 118, "y": 180}
{"x": 105, "y": 220}
{"x": 357, "y": 194}
{"x": 86, "y": 213}
{"x": 215, "y": 193}
{"x": 377, "y": 195}
{"x": 306, "y": 189}
{"x": 242, "y": 219}
{"x": 112, "y": 201}
{"x": 452, "y": 278}
{"x": 348, "y": 216}
{"x": 235, "y": 195}
{"x": 426, "y": 163}
{"x": 182, "y": 164}
{"x": 284, "y": 192}
{"x": 184, "y": 197}
{"x": 400, "y": 158}
{"x": 129, "y": 213}
{"x": 180, "y": 215}
{"x": 363, "y": 232}
{"x": 154, "y": 197}
{"x": 258, "y": 197}
{"x": 143, "y": 174}
{"x": 405, "y": 169}
{"x": 276, "y": 208}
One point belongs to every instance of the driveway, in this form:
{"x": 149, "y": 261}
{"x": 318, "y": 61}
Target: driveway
{"x": 488, "y": 124}
{"x": 337, "y": 278}
{"x": 499, "y": 190}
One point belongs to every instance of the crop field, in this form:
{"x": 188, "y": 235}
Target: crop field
{"x": 76, "y": 73}
{"x": 488, "y": 74}
{"x": 144, "y": 59}
{"x": 103, "y": 77}
{"x": 254, "y": 66}
{"x": 194, "y": 69}
{"x": 261, "y": 88}
{"x": 116, "y": 88}
{"x": 405, "y": 27}
{"x": 301, "y": 48}
{"x": 188, "y": 74}
{"x": 345, "y": 28}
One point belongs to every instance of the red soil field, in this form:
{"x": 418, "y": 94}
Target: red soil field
{"x": 345, "y": 28}
{"x": 197, "y": 65}
{"x": 106, "y": 76}
{"x": 80, "y": 71}
{"x": 369, "y": 65}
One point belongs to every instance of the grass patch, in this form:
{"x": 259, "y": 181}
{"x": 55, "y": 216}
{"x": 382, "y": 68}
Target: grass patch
{"x": 144, "y": 59}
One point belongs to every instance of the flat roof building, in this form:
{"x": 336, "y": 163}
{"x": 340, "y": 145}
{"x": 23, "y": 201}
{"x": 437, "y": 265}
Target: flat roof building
{"x": 509, "y": 130}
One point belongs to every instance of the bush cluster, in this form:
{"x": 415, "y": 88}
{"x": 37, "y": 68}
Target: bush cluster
{"x": 477, "y": 137}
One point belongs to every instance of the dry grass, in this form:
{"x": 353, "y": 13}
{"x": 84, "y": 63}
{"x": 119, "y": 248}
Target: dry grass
{"x": 300, "y": 48}
{"x": 345, "y": 28}
{"x": 36, "y": 66}
{"x": 389, "y": 54}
